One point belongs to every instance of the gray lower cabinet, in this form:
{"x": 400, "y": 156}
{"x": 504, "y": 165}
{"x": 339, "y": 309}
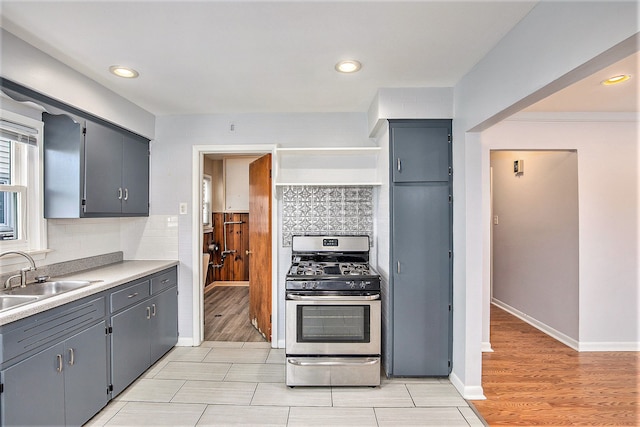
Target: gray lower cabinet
{"x": 164, "y": 325}
{"x": 129, "y": 345}
{"x": 62, "y": 366}
{"x": 419, "y": 332}
{"x": 145, "y": 331}
{"x": 65, "y": 384}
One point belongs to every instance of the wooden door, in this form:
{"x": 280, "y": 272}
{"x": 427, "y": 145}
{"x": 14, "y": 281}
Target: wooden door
{"x": 260, "y": 245}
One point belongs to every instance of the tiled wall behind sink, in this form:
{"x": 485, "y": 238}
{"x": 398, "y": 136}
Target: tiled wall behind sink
{"x": 326, "y": 210}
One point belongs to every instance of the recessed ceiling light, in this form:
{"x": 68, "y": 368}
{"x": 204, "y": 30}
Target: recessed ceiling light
{"x": 616, "y": 79}
{"x": 348, "y": 66}
{"x": 121, "y": 71}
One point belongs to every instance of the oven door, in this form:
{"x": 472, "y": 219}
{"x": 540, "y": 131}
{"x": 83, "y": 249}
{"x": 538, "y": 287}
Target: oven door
{"x": 332, "y": 325}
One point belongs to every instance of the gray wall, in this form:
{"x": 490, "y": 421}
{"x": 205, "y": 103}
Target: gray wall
{"x": 535, "y": 243}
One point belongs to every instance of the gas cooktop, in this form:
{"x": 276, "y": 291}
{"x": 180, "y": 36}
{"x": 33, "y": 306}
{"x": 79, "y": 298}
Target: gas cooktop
{"x": 331, "y": 263}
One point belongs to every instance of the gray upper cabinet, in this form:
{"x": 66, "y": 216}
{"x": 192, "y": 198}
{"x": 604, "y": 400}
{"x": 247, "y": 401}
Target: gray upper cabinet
{"x": 419, "y": 153}
{"x": 93, "y": 170}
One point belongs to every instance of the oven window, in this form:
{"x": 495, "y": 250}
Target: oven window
{"x": 333, "y": 323}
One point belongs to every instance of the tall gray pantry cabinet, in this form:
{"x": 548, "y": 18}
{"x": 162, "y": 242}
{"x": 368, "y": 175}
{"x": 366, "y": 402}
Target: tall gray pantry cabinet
{"x": 420, "y": 298}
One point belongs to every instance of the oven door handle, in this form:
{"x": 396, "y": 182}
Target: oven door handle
{"x": 356, "y": 361}
{"x": 298, "y": 297}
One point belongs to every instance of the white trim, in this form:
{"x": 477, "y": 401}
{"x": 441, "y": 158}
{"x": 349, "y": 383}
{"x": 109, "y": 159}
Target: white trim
{"x": 486, "y": 347}
{"x": 573, "y": 117}
{"x": 609, "y": 346}
{"x": 184, "y": 342}
{"x": 197, "y": 160}
{"x": 553, "y": 333}
{"x": 467, "y": 392}
{"x": 36, "y": 224}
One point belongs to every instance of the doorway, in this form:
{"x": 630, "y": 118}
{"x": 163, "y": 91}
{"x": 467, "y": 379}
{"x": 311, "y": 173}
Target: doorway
{"x": 534, "y": 239}
{"x": 234, "y": 301}
{"x": 225, "y": 217}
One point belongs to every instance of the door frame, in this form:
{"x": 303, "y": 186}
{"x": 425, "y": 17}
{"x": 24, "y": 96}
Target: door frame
{"x": 197, "y": 163}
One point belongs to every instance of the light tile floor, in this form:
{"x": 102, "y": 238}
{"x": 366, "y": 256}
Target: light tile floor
{"x": 243, "y": 384}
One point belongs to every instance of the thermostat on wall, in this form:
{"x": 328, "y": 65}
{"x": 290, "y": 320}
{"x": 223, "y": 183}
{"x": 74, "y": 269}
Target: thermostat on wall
{"x": 518, "y": 167}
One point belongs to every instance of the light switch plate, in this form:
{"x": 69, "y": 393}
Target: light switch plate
{"x": 183, "y": 208}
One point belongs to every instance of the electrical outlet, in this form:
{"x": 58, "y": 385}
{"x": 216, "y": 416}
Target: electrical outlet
{"x": 183, "y": 208}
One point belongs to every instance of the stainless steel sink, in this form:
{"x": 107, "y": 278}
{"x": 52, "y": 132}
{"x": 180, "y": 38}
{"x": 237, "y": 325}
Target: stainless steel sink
{"x": 38, "y": 291}
{"x": 10, "y": 301}
{"x": 50, "y": 288}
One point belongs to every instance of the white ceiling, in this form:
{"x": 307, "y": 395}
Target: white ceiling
{"x": 210, "y": 56}
{"x": 589, "y": 95}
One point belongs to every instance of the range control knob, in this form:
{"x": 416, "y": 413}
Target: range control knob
{"x": 352, "y": 284}
{"x": 363, "y": 285}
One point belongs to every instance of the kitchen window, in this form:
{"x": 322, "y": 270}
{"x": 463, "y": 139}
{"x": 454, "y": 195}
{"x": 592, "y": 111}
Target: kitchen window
{"x": 22, "y": 226}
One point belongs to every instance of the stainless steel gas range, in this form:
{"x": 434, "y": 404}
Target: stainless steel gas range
{"x": 332, "y": 313}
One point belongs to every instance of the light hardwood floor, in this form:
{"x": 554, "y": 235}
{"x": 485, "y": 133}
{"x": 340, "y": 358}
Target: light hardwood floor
{"x": 532, "y": 379}
{"x": 226, "y": 315}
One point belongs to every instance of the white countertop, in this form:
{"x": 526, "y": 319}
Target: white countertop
{"x": 106, "y": 277}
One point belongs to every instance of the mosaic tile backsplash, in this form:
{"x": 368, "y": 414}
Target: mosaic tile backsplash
{"x": 326, "y": 210}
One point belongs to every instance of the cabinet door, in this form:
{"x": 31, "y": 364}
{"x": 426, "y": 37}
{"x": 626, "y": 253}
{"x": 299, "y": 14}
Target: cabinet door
{"x": 164, "y": 322}
{"x": 34, "y": 390}
{"x": 86, "y": 377}
{"x": 63, "y": 167}
{"x": 129, "y": 345}
{"x": 421, "y": 279}
{"x": 103, "y": 170}
{"x": 420, "y": 153}
{"x": 135, "y": 176}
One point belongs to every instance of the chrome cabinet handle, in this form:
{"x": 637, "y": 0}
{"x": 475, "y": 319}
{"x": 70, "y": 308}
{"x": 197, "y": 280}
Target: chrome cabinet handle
{"x": 59, "y": 357}
{"x": 163, "y": 281}
{"x": 135, "y": 294}
{"x": 71, "y": 357}
{"x": 126, "y": 194}
{"x": 120, "y": 193}
{"x": 399, "y": 165}
{"x": 148, "y": 312}
{"x": 398, "y": 267}
{"x": 153, "y": 310}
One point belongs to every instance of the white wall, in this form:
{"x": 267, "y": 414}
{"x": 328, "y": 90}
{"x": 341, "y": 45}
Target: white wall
{"x": 535, "y": 236}
{"x": 24, "y": 64}
{"x": 139, "y": 238}
{"x": 556, "y": 44}
{"x": 171, "y": 174}
{"x": 609, "y": 217}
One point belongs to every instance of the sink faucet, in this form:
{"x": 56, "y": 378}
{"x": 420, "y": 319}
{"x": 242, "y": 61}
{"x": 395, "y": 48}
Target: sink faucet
{"x": 23, "y": 271}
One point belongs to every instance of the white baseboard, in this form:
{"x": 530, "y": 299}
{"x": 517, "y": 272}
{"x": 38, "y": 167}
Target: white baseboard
{"x": 185, "y": 342}
{"x": 576, "y": 345}
{"x": 467, "y": 392}
{"x": 553, "y": 333}
{"x": 486, "y": 347}
{"x": 609, "y": 346}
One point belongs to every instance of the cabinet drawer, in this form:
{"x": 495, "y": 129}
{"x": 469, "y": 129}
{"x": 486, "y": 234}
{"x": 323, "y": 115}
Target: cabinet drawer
{"x": 130, "y": 295}
{"x": 164, "y": 280}
{"x": 50, "y": 327}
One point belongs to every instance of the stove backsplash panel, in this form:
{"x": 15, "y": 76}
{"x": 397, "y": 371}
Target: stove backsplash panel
{"x": 318, "y": 210}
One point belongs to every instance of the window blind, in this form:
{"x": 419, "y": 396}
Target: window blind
{"x": 17, "y": 132}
